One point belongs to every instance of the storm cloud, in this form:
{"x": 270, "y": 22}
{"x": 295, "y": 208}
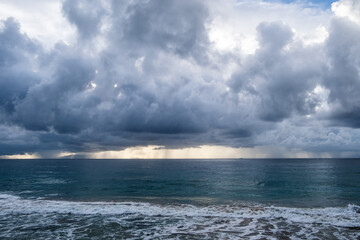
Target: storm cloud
{"x": 150, "y": 73}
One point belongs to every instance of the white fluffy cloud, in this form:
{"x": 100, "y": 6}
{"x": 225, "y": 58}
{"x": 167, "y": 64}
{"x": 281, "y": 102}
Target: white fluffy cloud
{"x": 349, "y": 9}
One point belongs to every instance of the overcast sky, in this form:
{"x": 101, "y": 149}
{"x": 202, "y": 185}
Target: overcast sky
{"x": 179, "y": 78}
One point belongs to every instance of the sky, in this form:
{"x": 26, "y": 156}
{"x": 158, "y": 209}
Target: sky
{"x": 179, "y": 79}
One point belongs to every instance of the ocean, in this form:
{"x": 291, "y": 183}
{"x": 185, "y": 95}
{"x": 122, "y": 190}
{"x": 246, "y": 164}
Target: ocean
{"x": 180, "y": 199}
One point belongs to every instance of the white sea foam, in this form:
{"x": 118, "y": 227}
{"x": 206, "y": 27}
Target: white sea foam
{"x": 147, "y": 220}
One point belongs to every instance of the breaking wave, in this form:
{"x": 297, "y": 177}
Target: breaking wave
{"x": 44, "y": 219}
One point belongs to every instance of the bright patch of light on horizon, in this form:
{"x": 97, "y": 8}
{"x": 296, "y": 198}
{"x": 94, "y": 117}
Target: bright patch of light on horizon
{"x": 65, "y": 155}
{"x": 21, "y": 156}
{"x": 200, "y": 152}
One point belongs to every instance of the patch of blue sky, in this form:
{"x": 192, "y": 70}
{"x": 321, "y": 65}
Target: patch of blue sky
{"x": 321, "y": 3}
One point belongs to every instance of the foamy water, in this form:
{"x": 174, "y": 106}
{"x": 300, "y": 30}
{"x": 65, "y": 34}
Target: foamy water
{"x": 44, "y": 219}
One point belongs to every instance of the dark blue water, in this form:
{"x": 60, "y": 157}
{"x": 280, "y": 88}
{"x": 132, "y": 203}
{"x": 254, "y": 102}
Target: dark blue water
{"x": 283, "y": 182}
{"x": 180, "y": 199}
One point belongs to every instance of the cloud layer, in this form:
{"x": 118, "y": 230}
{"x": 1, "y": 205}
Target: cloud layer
{"x": 162, "y": 73}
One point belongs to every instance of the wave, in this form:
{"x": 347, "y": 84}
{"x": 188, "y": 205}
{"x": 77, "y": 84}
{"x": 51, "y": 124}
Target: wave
{"x": 172, "y": 221}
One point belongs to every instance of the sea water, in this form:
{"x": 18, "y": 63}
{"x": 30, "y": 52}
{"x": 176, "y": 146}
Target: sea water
{"x": 180, "y": 199}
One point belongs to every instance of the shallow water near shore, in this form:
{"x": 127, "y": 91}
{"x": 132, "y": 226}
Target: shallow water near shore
{"x": 180, "y": 199}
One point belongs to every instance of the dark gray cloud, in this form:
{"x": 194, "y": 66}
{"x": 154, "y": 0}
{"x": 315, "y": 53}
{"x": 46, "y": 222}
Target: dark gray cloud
{"x": 175, "y": 26}
{"x": 17, "y": 65}
{"x": 145, "y": 72}
{"x": 86, "y": 15}
{"x": 281, "y": 79}
{"x": 54, "y": 103}
{"x": 343, "y": 77}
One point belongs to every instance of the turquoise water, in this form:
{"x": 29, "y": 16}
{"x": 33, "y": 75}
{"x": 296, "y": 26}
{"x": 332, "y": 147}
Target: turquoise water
{"x": 180, "y": 199}
{"x": 285, "y": 182}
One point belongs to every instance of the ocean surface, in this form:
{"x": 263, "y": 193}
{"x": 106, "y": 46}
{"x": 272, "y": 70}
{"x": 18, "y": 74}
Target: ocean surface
{"x": 180, "y": 199}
